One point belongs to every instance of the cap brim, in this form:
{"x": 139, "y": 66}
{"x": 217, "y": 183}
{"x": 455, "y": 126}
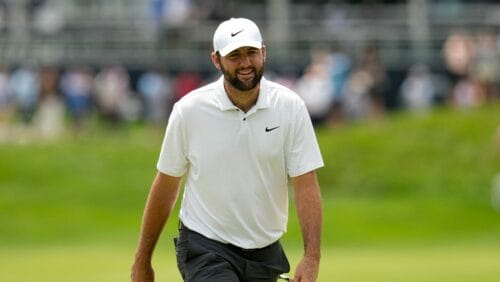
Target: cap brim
{"x": 233, "y": 46}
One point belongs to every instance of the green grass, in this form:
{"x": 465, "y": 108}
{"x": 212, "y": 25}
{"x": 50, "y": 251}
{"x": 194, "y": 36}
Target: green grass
{"x": 446, "y": 154}
{"x": 407, "y": 198}
{"x": 104, "y": 263}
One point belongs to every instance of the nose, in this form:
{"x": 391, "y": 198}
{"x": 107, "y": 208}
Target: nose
{"x": 245, "y": 60}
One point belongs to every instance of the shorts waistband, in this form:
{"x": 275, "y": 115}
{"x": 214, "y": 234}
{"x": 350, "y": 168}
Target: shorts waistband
{"x": 231, "y": 246}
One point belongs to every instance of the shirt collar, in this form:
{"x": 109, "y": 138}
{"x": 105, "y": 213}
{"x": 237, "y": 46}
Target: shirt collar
{"x": 225, "y": 104}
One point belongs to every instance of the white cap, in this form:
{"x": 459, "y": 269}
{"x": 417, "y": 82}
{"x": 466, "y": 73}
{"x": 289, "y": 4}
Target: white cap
{"x": 235, "y": 33}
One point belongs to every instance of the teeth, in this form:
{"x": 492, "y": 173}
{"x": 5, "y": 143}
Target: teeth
{"x": 245, "y": 73}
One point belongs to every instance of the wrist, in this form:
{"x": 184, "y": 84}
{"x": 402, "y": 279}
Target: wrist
{"x": 313, "y": 256}
{"x": 142, "y": 259}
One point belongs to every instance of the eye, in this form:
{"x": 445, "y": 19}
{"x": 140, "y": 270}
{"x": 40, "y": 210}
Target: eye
{"x": 253, "y": 52}
{"x": 233, "y": 56}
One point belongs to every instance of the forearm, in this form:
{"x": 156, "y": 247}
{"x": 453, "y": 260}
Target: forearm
{"x": 310, "y": 222}
{"x": 309, "y": 212}
{"x": 161, "y": 200}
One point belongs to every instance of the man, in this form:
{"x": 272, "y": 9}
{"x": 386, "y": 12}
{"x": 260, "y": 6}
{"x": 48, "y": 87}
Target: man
{"x": 236, "y": 141}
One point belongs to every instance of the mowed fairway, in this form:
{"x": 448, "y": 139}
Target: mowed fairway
{"x": 111, "y": 264}
{"x": 405, "y": 199}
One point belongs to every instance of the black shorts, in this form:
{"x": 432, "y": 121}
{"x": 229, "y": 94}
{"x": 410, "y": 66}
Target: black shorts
{"x": 201, "y": 259}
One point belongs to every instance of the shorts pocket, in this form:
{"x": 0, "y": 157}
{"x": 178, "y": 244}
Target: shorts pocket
{"x": 270, "y": 268}
{"x": 181, "y": 251}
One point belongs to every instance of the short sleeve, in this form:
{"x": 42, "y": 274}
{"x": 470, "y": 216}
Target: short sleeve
{"x": 303, "y": 154}
{"x": 173, "y": 155}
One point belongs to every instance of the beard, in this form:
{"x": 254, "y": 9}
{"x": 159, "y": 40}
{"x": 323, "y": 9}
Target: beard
{"x": 240, "y": 84}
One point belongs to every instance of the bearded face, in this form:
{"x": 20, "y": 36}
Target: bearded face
{"x": 243, "y": 76}
{"x": 242, "y": 84}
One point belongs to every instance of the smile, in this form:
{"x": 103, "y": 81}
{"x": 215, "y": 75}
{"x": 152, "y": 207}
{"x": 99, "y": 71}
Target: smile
{"x": 245, "y": 72}
{"x": 246, "y": 75}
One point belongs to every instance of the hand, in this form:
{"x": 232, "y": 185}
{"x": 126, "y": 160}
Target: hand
{"x": 307, "y": 270}
{"x": 142, "y": 272}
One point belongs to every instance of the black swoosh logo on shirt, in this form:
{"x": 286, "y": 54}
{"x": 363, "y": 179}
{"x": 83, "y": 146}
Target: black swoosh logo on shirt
{"x": 233, "y": 34}
{"x": 271, "y": 129}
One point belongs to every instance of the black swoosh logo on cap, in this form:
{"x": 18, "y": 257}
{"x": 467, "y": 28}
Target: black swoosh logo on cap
{"x": 233, "y": 34}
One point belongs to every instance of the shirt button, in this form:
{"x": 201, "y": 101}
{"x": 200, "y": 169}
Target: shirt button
{"x": 244, "y": 119}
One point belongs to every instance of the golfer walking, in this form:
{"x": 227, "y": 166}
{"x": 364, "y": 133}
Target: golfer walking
{"x": 237, "y": 141}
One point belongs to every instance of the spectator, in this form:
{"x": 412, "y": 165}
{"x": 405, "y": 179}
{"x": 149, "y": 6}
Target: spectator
{"x": 49, "y": 118}
{"x": 367, "y": 86}
{"x": 76, "y": 85}
{"x": 457, "y": 53}
{"x": 467, "y": 93}
{"x": 176, "y": 12}
{"x": 185, "y": 82}
{"x": 315, "y": 87}
{"x": 340, "y": 69}
{"x": 48, "y": 17}
{"x": 485, "y": 64}
{"x": 355, "y": 100}
{"x": 169, "y": 16}
{"x": 417, "y": 90}
{"x": 156, "y": 8}
{"x": 114, "y": 95}
{"x": 24, "y": 86}
{"x": 154, "y": 86}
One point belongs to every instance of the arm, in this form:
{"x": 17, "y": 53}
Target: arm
{"x": 309, "y": 212}
{"x": 162, "y": 197}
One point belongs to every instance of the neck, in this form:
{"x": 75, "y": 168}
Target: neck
{"x": 244, "y": 100}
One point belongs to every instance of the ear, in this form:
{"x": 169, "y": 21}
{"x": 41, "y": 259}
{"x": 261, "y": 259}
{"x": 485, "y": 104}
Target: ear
{"x": 215, "y": 60}
{"x": 264, "y": 52}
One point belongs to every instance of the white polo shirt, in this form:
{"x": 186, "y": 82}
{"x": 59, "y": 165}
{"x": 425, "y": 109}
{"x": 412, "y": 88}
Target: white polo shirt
{"x": 238, "y": 163}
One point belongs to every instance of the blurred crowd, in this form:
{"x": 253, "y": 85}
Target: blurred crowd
{"x": 46, "y": 100}
{"x": 337, "y": 88}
